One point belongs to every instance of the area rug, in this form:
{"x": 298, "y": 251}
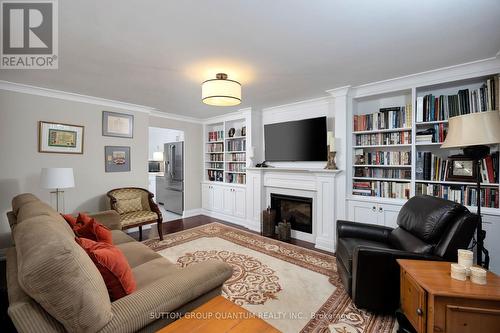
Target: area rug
{"x": 292, "y": 288}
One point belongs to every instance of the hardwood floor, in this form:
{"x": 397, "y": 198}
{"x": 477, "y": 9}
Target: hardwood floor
{"x": 198, "y": 220}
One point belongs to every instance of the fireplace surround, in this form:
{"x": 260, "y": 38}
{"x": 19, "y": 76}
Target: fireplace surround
{"x": 297, "y": 210}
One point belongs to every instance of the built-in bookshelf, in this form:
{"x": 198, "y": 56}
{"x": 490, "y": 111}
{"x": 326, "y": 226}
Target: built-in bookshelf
{"x": 225, "y": 152}
{"x": 388, "y": 163}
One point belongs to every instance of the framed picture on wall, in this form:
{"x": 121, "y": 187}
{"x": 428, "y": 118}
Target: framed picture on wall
{"x": 117, "y": 158}
{"x": 60, "y": 138}
{"x": 117, "y": 124}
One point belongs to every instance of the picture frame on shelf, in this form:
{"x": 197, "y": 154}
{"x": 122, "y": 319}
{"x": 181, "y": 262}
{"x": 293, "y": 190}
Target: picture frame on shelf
{"x": 117, "y": 158}
{"x": 461, "y": 168}
{"x": 231, "y": 133}
{"x": 244, "y": 131}
{"x": 117, "y": 124}
{"x": 60, "y": 138}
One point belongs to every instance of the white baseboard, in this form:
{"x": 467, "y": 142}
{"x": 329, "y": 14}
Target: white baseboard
{"x": 325, "y": 244}
{"x": 191, "y": 212}
{"x": 227, "y": 218}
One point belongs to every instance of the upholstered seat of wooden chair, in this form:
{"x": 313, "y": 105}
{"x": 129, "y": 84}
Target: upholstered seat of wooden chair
{"x": 136, "y": 208}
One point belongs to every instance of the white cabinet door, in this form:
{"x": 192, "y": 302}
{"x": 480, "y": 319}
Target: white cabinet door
{"x": 218, "y": 195}
{"x": 228, "y": 205}
{"x": 206, "y": 197}
{"x": 240, "y": 202}
{"x": 364, "y": 212}
{"x": 491, "y": 224}
{"x": 388, "y": 215}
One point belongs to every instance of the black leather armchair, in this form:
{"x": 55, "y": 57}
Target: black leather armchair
{"x": 429, "y": 228}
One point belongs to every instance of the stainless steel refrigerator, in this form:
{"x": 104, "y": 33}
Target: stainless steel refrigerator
{"x": 174, "y": 177}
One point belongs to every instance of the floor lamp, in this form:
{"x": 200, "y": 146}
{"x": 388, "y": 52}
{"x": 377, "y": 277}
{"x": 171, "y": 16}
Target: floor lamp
{"x": 57, "y": 179}
{"x": 474, "y": 133}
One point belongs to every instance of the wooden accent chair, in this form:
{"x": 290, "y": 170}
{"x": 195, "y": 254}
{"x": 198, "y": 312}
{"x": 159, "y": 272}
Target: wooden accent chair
{"x": 136, "y": 208}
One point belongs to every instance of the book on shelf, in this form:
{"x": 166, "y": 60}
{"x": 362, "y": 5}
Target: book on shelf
{"x": 215, "y": 175}
{"x": 382, "y": 189}
{"x": 435, "y": 168}
{"x": 391, "y": 138}
{"x": 385, "y": 118}
{"x": 435, "y": 108}
{"x": 436, "y": 133}
{"x": 215, "y": 135}
{"x": 463, "y": 194}
{"x": 382, "y": 173}
{"x": 236, "y": 178}
{"x": 236, "y": 145}
{"x": 382, "y": 157}
{"x": 215, "y": 147}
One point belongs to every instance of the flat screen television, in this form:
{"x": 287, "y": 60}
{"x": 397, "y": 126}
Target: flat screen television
{"x": 301, "y": 140}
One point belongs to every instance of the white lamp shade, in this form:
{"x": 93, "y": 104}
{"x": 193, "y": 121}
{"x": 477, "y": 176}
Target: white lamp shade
{"x": 55, "y": 178}
{"x": 221, "y": 91}
{"x": 158, "y": 156}
{"x": 473, "y": 129}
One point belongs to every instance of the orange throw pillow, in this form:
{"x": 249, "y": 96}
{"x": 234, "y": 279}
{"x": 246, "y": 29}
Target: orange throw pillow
{"x": 112, "y": 265}
{"x": 70, "y": 219}
{"x": 88, "y": 227}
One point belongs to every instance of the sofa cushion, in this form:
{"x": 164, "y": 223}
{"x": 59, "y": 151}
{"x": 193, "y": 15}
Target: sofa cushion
{"x": 153, "y": 270}
{"x": 39, "y": 208}
{"x": 57, "y": 273}
{"x": 20, "y": 200}
{"x": 426, "y": 217}
{"x": 403, "y": 240}
{"x": 112, "y": 265}
{"x": 120, "y": 237}
{"x": 138, "y": 217}
{"x": 128, "y": 205}
{"x": 137, "y": 253}
{"x": 346, "y": 246}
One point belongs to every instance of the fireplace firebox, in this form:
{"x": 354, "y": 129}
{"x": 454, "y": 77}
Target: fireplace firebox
{"x": 296, "y": 210}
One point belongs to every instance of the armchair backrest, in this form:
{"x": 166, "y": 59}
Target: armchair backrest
{"x": 434, "y": 226}
{"x": 128, "y": 193}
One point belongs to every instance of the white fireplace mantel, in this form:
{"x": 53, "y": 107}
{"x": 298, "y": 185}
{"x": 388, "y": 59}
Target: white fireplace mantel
{"x": 318, "y": 183}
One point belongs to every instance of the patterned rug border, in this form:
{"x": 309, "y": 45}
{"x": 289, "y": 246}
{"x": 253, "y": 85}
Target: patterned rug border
{"x": 333, "y": 308}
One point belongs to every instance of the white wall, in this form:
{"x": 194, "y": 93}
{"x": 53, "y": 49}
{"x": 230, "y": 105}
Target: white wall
{"x": 159, "y": 136}
{"x": 193, "y": 157}
{"x": 20, "y": 161}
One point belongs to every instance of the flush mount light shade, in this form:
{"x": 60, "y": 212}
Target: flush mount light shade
{"x": 221, "y": 91}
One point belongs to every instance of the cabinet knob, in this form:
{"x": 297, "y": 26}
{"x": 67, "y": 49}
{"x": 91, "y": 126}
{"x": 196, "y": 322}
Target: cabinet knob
{"x": 374, "y": 208}
{"x": 380, "y": 209}
{"x": 419, "y": 311}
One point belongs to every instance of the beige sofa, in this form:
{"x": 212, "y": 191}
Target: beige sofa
{"x": 54, "y": 286}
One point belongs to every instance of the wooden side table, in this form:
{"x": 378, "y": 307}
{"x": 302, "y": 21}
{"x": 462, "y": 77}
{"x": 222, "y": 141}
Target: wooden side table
{"x": 219, "y": 315}
{"x": 434, "y": 302}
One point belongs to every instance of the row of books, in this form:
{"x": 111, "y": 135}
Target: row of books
{"x": 215, "y": 166}
{"x": 466, "y": 195}
{"x": 382, "y": 173}
{"x": 485, "y": 98}
{"x": 435, "y": 168}
{"x": 386, "y": 118}
{"x": 215, "y": 135}
{"x": 215, "y": 147}
{"x": 216, "y": 157}
{"x": 382, "y": 189}
{"x": 215, "y": 176}
{"x": 237, "y": 157}
{"x": 437, "y": 133}
{"x": 382, "y": 157}
{"x": 383, "y": 138}
{"x": 237, "y": 167}
{"x": 236, "y": 145}
{"x": 236, "y": 178}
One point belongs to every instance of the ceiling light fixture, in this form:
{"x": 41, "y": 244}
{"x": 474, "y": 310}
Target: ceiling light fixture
{"x": 221, "y": 91}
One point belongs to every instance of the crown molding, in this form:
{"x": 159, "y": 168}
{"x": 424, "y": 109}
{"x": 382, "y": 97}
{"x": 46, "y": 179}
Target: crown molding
{"x": 173, "y": 116}
{"x": 340, "y": 91}
{"x": 241, "y": 113}
{"x": 69, "y": 96}
{"x": 299, "y": 104}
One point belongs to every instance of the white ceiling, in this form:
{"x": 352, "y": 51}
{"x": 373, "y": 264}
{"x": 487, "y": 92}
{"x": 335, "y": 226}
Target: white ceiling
{"x": 156, "y": 53}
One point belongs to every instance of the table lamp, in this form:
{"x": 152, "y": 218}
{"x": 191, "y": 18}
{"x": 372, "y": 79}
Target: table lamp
{"x": 57, "y": 179}
{"x": 474, "y": 133}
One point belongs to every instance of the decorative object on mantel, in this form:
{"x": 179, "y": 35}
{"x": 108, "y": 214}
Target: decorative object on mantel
{"x": 284, "y": 231}
{"x": 117, "y": 124}
{"x": 117, "y": 159}
{"x": 57, "y": 179}
{"x": 474, "y": 133}
{"x": 268, "y": 227}
{"x": 221, "y": 91}
{"x": 330, "y": 165}
{"x": 60, "y": 138}
{"x": 262, "y": 165}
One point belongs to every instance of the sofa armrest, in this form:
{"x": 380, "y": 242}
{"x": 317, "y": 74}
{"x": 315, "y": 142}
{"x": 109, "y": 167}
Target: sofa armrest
{"x": 375, "y": 275}
{"x": 348, "y": 229}
{"x": 167, "y": 294}
{"x": 109, "y": 218}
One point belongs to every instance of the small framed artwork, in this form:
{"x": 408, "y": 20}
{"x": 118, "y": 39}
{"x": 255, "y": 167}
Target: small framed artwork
{"x": 60, "y": 138}
{"x": 117, "y": 124}
{"x": 117, "y": 158}
{"x": 461, "y": 169}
